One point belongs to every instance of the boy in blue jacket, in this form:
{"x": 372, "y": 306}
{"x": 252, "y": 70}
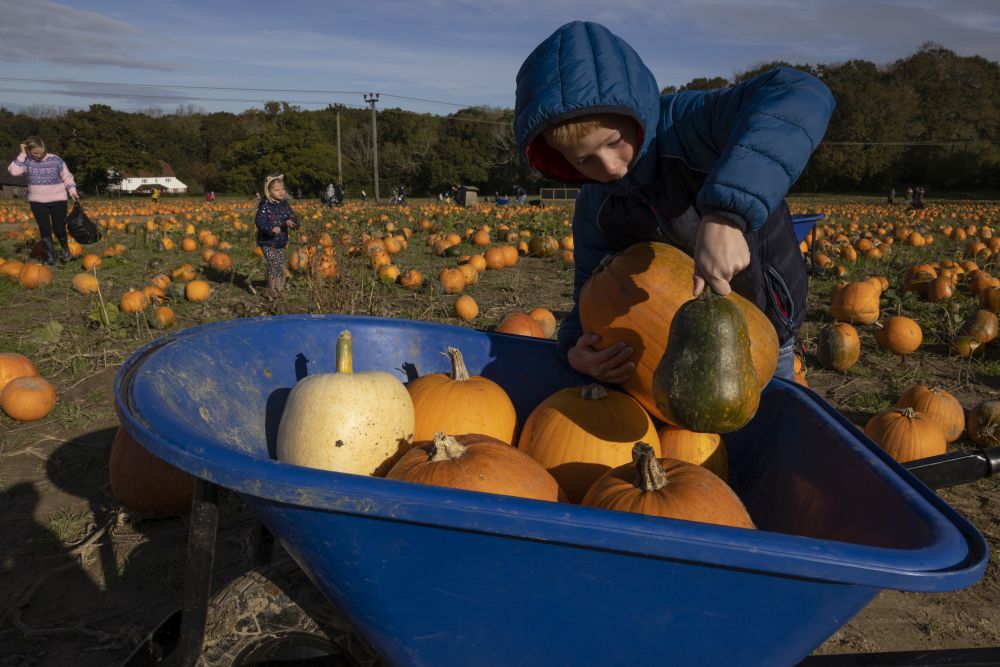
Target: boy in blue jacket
{"x": 705, "y": 171}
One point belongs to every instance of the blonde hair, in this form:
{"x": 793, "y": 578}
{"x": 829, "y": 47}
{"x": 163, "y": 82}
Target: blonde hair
{"x": 32, "y": 143}
{"x": 269, "y": 181}
{"x": 568, "y": 132}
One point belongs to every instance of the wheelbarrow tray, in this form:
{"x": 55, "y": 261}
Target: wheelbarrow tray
{"x": 435, "y": 576}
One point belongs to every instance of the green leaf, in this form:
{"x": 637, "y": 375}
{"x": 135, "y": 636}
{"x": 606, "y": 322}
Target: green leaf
{"x": 50, "y": 332}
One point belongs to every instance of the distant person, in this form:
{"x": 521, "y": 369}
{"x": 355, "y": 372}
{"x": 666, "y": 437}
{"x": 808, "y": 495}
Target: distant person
{"x": 892, "y": 196}
{"x": 329, "y": 195}
{"x": 49, "y": 181}
{"x": 210, "y": 196}
{"x": 338, "y": 194}
{"x": 274, "y": 219}
{"x": 364, "y": 196}
{"x": 918, "y": 198}
{"x": 155, "y": 195}
{"x": 909, "y": 196}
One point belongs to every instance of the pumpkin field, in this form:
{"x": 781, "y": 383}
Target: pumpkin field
{"x": 902, "y": 313}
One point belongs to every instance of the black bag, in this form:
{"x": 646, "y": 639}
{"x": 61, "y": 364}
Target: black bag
{"x": 81, "y": 228}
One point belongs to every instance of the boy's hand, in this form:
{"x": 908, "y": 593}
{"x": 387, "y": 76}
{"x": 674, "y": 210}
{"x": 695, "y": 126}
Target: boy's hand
{"x": 609, "y": 365}
{"x": 720, "y": 252}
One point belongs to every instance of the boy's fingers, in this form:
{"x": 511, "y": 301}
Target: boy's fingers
{"x": 699, "y": 284}
{"x": 720, "y": 286}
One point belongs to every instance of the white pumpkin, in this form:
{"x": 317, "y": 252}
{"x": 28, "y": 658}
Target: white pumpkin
{"x": 357, "y": 423}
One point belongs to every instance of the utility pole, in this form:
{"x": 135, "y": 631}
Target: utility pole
{"x": 372, "y": 98}
{"x": 340, "y": 173}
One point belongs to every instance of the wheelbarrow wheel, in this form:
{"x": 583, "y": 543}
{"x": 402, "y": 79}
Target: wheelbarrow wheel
{"x": 275, "y": 613}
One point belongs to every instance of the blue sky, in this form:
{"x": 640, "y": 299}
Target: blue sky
{"x": 449, "y": 53}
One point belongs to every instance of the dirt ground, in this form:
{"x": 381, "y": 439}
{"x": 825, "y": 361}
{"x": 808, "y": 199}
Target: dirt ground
{"x": 81, "y": 580}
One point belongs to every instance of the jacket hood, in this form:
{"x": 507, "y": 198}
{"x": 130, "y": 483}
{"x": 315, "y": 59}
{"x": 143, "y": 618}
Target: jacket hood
{"x": 580, "y": 69}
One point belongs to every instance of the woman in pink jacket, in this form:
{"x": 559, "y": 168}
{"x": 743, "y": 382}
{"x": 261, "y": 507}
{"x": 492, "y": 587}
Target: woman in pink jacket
{"x": 49, "y": 181}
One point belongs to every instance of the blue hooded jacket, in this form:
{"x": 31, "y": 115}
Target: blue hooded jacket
{"x": 747, "y": 143}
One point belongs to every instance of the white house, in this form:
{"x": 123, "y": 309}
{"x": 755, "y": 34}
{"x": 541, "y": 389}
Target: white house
{"x": 145, "y": 181}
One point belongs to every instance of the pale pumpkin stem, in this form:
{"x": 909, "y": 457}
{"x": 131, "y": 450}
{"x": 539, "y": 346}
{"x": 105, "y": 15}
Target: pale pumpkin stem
{"x": 593, "y": 392}
{"x": 345, "y": 357}
{"x": 459, "y": 372}
{"x": 446, "y": 448}
{"x": 906, "y": 412}
{"x": 649, "y": 474}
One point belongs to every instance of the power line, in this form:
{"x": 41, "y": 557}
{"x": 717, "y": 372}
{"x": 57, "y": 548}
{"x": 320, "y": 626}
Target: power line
{"x": 252, "y": 90}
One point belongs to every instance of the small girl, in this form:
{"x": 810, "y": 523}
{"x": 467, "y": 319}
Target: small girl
{"x": 274, "y": 219}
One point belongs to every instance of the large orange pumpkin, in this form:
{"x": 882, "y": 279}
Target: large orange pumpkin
{"x": 457, "y": 402}
{"x": 702, "y": 449}
{"x": 838, "y": 346}
{"x": 85, "y": 283}
{"x": 146, "y": 484}
{"x": 633, "y": 298}
{"x": 668, "y": 488}
{"x": 28, "y": 398}
{"x": 856, "y": 303}
{"x": 14, "y": 365}
{"x": 939, "y": 406}
{"x": 520, "y": 324}
{"x": 476, "y": 462}
{"x": 899, "y": 334}
{"x": 579, "y": 433}
{"x": 906, "y": 435}
{"x": 33, "y": 276}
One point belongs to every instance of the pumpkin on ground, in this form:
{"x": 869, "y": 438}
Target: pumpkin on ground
{"x": 906, "y": 435}
{"x": 85, "y": 283}
{"x": 466, "y": 308}
{"x": 983, "y": 424}
{"x": 476, "y": 462}
{"x": 163, "y": 317}
{"x": 633, "y": 297}
{"x": 197, "y": 291}
{"x": 34, "y": 276}
{"x": 349, "y": 422}
{"x": 702, "y": 449}
{"x": 579, "y": 433}
{"x": 520, "y": 324}
{"x": 147, "y": 484}
{"x": 838, "y": 346}
{"x": 546, "y": 320}
{"x": 900, "y": 335}
{"x": 457, "y": 402}
{"x": 668, "y": 488}
{"x": 28, "y": 399}
{"x": 938, "y": 405}
{"x": 706, "y": 381}
{"x": 856, "y": 303}
{"x": 14, "y": 365}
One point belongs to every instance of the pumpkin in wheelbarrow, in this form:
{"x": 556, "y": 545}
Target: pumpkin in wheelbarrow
{"x": 633, "y": 297}
{"x": 357, "y": 423}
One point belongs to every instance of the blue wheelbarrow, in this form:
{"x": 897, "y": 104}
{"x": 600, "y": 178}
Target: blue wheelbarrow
{"x": 418, "y": 575}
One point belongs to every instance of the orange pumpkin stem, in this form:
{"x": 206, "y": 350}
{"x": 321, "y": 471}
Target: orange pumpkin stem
{"x": 446, "y": 448}
{"x": 649, "y": 474}
{"x": 593, "y": 392}
{"x": 345, "y": 357}
{"x": 459, "y": 373}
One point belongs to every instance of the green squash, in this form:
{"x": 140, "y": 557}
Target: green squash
{"x": 706, "y": 381}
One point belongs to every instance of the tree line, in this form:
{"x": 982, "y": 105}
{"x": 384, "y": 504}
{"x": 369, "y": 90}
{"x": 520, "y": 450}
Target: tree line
{"x": 931, "y": 119}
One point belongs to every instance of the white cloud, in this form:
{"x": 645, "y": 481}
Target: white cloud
{"x": 41, "y": 30}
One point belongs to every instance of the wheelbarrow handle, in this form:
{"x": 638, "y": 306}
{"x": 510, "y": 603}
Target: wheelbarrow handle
{"x": 954, "y": 468}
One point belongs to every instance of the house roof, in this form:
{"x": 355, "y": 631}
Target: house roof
{"x": 7, "y": 179}
{"x": 165, "y": 170}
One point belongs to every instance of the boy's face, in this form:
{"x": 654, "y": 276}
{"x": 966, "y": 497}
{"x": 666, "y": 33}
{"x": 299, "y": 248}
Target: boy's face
{"x": 606, "y": 153}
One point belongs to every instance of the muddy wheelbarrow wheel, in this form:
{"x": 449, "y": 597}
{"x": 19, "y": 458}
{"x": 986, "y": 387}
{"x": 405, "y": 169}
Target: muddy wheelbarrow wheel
{"x": 275, "y": 612}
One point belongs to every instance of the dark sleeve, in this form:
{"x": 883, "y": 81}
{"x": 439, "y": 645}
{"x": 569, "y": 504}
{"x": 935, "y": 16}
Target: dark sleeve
{"x": 754, "y": 139}
{"x": 261, "y": 220}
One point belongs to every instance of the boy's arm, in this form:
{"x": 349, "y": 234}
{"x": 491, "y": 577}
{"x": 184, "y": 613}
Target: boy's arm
{"x": 589, "y": 248}
{"x": 261, "y": 220}
{"x": 754, "y": 139}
